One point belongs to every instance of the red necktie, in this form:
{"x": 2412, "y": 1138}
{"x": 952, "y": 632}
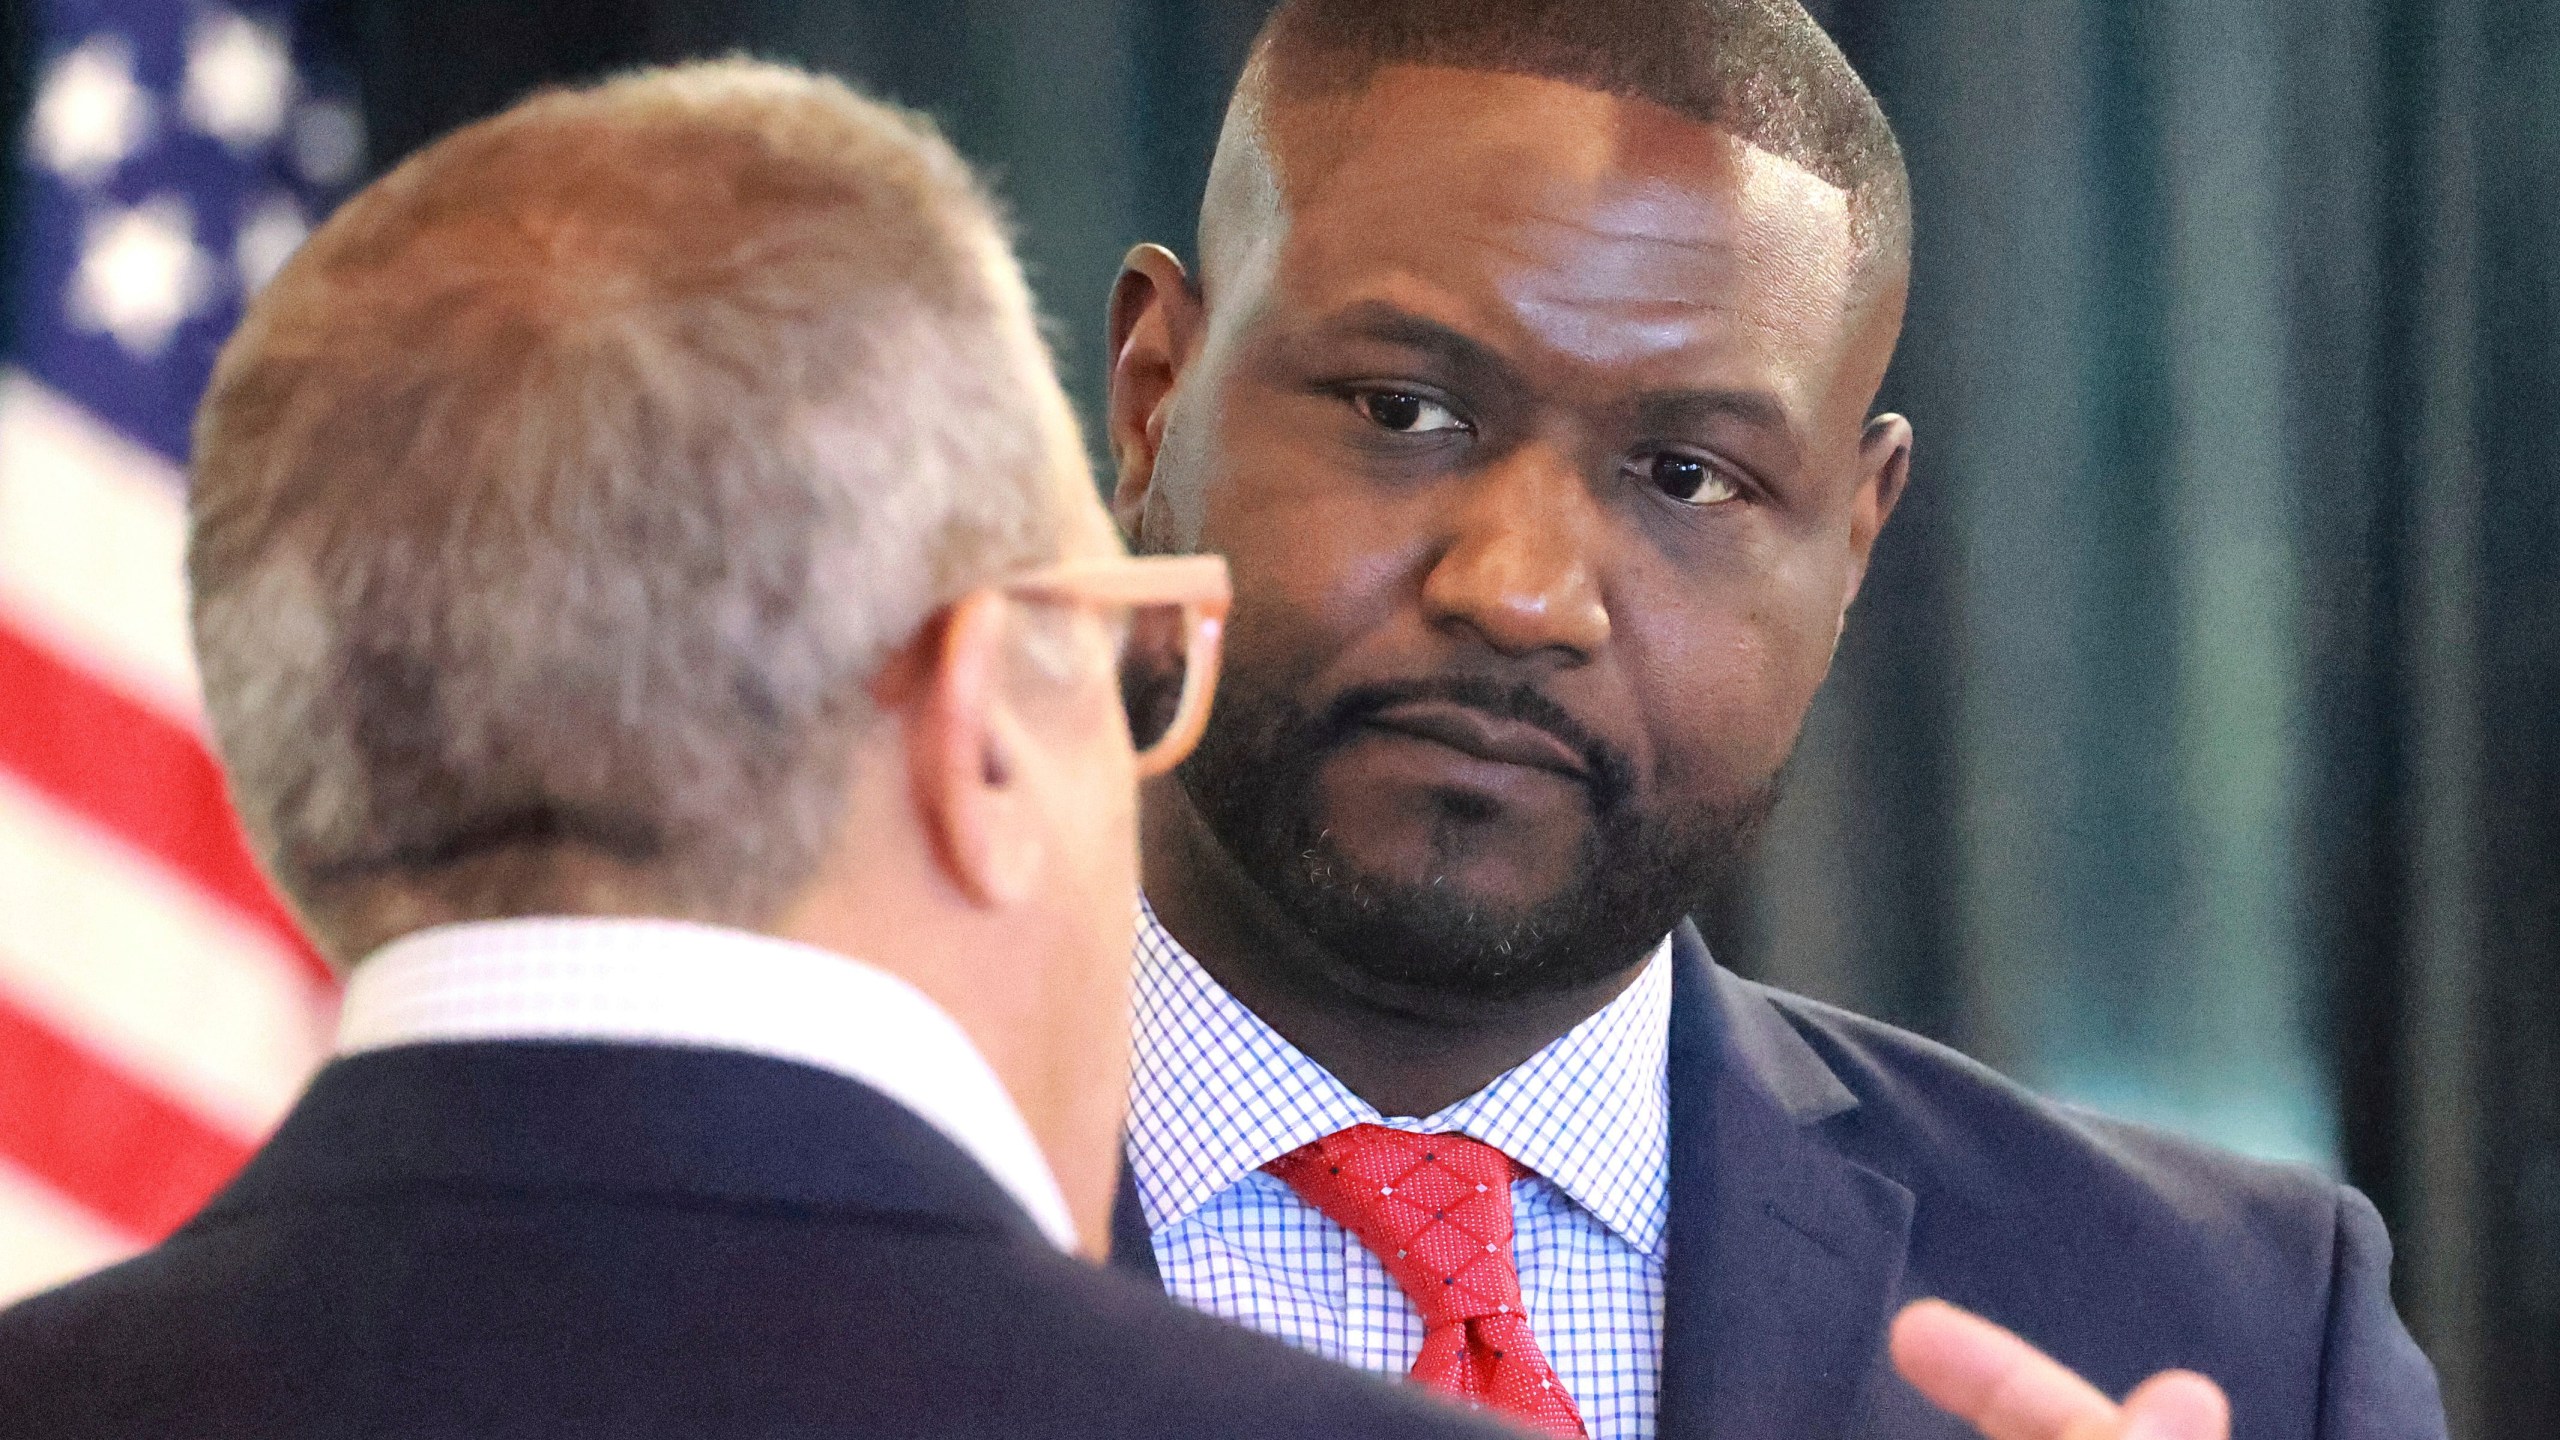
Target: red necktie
{"x": 1436, "y": 1211}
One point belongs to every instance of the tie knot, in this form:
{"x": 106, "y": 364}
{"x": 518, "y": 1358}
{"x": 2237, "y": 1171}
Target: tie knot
{"x": 1434, "y": 1209}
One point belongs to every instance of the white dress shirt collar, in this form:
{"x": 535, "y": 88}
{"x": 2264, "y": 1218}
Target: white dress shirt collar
{"x": 1217, "y": 1094}
{"x": 661, "y": 982}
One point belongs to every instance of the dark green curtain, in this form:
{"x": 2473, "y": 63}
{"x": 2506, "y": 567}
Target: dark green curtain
{"x": 2197, "y": 754}
{"x": 2195, "y": 751}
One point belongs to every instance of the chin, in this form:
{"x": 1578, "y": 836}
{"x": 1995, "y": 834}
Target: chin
{"x": 1432, "y": 875}
{"x": 1503, "y": 877}
{"x": 1443, "y": 936}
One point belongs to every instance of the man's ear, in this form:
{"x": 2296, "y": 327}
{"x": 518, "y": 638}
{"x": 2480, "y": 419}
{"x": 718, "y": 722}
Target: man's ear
{"x": 964, "y": 758}
{"x": 1154, "y": 326}
{"x": 1884, "y": 470}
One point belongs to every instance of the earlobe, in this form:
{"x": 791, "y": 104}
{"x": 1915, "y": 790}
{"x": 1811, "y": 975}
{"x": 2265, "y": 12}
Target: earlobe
{"x": 962, "y": 772}
{"x": 1007, "y": 861}
{"x": 1154, "y": 319}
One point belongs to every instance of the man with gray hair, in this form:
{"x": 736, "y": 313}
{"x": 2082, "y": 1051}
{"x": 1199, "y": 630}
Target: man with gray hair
{"x": 664, "y": 640}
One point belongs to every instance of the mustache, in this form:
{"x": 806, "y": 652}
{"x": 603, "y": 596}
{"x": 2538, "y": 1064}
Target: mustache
{"x": 1611, "y": 772}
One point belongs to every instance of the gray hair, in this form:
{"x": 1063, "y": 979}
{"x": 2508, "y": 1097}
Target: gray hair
{"x": 554, "y": 507}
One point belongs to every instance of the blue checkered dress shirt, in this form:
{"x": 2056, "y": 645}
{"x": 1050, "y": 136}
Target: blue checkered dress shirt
{"x": 1217, "y": 1094}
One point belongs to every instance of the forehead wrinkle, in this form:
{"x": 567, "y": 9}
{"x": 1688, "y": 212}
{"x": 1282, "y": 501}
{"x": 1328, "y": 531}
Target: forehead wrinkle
{"x": 1714, "y": 242}
{"x": 1621, "y": 304}
{"x": 1696, "y": 244}
{"x": 1611, "y": 330}
{"x": 1620, "y": 270}
{"x": 1521, "y": 253}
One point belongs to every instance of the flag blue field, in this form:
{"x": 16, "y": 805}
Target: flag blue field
{"x": 158, "y": 1009}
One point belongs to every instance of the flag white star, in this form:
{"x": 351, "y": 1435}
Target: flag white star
{"x": 239, "y": 79}
{"x": 328, "y": 142}
{"x": 268, "y": 237}
{"x": 89, "y": 114}
{"x": 141, "y": 274}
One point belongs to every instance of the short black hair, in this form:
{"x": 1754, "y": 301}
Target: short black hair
{"x": 1763, "y": 70}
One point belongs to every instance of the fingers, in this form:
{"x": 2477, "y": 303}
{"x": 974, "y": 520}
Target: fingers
{"x": 2009, "y": 1390}
{"x": 2177, "y": 1405}
{"x": 1996, "y": 1382}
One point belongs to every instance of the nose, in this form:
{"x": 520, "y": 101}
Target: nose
{"x": 1518, "y": 566}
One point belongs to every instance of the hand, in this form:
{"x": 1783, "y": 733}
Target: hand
{"x": 2010, "y": 1390}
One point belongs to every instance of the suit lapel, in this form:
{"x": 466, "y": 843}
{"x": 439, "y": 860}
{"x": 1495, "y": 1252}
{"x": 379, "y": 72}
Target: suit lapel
{"x": 1133, "y": 1248}
{"x": 1784, "y": 1255}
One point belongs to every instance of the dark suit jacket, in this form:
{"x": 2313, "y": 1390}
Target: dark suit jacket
{"x": 1825, "y": 1169}
{"x": 515, "y": 1239}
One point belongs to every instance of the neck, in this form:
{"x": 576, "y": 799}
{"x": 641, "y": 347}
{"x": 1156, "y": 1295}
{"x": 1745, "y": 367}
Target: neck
{"x": 1406, "y": 1051}
{"x": 1053, "y": 1028}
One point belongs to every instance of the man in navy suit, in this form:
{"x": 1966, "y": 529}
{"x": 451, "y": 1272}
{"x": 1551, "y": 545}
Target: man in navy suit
{"x": 661, "y": 634}
{"x": 1525, "y": 380}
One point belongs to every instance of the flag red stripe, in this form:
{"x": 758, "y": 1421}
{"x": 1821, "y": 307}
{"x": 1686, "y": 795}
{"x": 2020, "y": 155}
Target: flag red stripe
{"x": 116, "y": 1147}
{"x": 106, "y": 756}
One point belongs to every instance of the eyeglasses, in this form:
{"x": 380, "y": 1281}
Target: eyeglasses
{"x": 1175, "y": 608}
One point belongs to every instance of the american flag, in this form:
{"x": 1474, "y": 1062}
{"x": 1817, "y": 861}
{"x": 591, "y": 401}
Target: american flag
{"x": 158, "y": 1009}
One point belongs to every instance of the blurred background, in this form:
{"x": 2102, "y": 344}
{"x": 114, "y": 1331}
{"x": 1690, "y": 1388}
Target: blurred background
{"x": 2194, "y": 752}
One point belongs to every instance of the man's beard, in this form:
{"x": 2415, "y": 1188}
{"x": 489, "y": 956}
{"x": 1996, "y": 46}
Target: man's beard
{"x": 1253, "y": 782}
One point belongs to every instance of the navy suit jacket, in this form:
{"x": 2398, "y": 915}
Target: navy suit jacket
{"x": 1825, "y": 1169}
{"x": 521, "y": 1239}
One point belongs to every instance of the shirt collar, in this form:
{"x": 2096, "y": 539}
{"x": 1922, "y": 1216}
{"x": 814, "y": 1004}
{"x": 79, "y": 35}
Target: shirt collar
{"x": 663, "y": 982}
{"x": 1216, "y": 1094}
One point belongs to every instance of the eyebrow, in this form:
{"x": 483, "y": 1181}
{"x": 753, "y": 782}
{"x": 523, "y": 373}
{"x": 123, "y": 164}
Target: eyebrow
{"x": 1696, "y": 411}
{"x": 1462, "y": 355}
{"x": 1690, "y": 412}
{"x": 1672, "y": 409}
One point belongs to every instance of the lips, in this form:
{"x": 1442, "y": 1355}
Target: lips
{"x": 1485, "y": 736}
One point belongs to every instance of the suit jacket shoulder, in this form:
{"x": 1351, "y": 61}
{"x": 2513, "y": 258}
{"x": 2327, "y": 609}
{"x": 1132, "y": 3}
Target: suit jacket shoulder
{"x": 572, "y": 1240}
{"x": 1991, "y": 1157}
{"x": 2120, "y": 1249}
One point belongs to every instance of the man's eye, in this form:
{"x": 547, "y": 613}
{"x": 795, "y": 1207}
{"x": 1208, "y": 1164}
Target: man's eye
{"x": 1687, "y": 478}
{"x": 1406, "y": 413}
